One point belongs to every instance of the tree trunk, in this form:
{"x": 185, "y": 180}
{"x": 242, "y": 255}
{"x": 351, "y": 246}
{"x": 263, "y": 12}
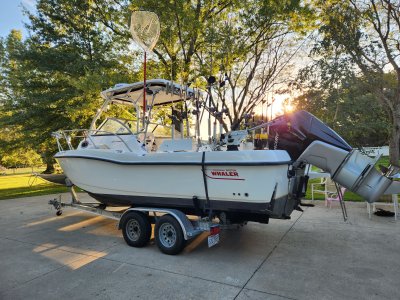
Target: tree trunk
{"x": 235, "y": 125}
{"x": 49, "y": 161}
{"x": 49, "y": 168}
{"x": 394, "y": 142}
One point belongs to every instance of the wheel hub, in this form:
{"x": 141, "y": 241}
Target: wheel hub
{"x": 167, "y": 235}
{"x": 133, "y": 231}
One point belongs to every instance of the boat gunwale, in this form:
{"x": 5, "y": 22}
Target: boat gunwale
{"x": 180, "y": 163}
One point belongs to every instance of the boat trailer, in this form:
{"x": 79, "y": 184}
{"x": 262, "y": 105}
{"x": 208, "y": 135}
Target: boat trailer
{"x": 172, "y": 231}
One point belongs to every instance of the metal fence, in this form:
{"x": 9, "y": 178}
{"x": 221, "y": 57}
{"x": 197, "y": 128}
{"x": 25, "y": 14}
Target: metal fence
{"x": 22, "y": 170}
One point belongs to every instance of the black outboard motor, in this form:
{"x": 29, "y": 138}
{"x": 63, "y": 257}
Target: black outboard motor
{"x": 309, "y": 141}
{"x": 296, "y": 131}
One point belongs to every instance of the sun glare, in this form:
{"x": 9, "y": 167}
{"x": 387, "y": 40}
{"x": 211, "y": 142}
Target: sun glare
{"x": 281, "y": 104}
{"x": 288, "y": 107}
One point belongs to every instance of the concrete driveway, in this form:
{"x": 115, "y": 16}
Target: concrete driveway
{"x": 315, "y": 255}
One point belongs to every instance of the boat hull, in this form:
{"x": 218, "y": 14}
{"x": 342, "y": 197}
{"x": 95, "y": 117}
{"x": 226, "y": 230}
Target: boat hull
{"x": 237, "y": 182}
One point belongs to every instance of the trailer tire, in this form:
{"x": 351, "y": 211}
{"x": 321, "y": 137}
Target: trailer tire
{"x": 169, "y": 236}
{"x": 136, "y": 229}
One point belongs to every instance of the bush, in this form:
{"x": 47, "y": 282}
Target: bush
{"x": 18, "y": 158}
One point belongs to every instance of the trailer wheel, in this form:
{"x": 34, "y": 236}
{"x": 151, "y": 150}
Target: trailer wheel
{"x": 169, "y": 236}
{"x": 136, "y": 229}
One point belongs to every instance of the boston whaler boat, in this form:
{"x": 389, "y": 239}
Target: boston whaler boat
{"x": 119, "y": 167}
{"x": 128, "y": 160}
{"x": 131, "y": 162}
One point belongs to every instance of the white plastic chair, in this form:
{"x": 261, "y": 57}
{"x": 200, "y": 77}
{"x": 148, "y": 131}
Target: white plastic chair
{"x": 371, "y": 207}
{"x": 319, "y": 188}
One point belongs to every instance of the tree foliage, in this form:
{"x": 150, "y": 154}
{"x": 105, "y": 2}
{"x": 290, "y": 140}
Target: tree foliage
{"x": 366, "y": 33}
{"x": 349, "y": 108}
{"x": 241, "y": 42}
{"x": 53, "y": 78}
{"x": 75, "y": 49}
{"x": 21, "y": 157}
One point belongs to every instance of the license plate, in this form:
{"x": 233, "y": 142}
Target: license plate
{"x": 213, "y": 240}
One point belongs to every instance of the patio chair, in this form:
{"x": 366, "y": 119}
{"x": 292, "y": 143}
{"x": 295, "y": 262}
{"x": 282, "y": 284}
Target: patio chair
{"x": 319, "y": 188}
{"x": 332, "y": 193}
{"x": 371, "y": 207}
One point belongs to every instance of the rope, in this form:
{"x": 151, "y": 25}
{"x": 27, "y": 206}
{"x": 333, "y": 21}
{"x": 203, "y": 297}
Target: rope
{"x": 203, "y": 169}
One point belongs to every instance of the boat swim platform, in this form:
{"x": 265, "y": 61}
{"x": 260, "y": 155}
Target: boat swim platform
{"x": 315, "y": 255}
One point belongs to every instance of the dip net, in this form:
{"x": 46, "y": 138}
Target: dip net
{"x": 145, "y": 29}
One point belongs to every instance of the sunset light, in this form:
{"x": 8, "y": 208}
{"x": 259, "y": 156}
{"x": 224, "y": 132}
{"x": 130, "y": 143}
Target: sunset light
{"x": 281, "y": 103}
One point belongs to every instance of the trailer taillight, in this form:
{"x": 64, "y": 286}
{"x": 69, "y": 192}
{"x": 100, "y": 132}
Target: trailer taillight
{"x": 214, "y": 229}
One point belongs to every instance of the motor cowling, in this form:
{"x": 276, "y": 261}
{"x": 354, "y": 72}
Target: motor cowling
{"x": 296, "y": 131}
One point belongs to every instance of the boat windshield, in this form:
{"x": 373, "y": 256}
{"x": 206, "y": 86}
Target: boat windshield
{"x": 115, "y": 126}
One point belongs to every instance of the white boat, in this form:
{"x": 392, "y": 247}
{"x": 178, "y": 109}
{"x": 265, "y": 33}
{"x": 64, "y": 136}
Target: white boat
{"x": 124, "y": 162}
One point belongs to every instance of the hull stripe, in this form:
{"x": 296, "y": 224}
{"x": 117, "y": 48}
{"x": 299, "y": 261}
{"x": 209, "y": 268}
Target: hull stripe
{"x": 177, "y": 163}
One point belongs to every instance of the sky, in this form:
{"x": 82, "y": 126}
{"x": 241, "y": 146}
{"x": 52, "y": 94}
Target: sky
{"x": 11, "y": 16}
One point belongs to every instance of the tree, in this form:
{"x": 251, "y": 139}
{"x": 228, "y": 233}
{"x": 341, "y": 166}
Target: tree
{"x": 242, "y": 41}
{"x": 54, "y": 77}
{"x": 78, "y": 48}
{"x": 367, "y": 34}
{"x": 259, "y": 42}
{"x": 21, "y": 158}
{"x": 348, "y": 108}
{"x": 186, "y": 27}
{"x": 10, "y": 89}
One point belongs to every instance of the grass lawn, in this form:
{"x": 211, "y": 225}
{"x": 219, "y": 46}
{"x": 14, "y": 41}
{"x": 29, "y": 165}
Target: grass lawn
{"x": 24, "y": 185}
{"x": 348, "y": 196}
